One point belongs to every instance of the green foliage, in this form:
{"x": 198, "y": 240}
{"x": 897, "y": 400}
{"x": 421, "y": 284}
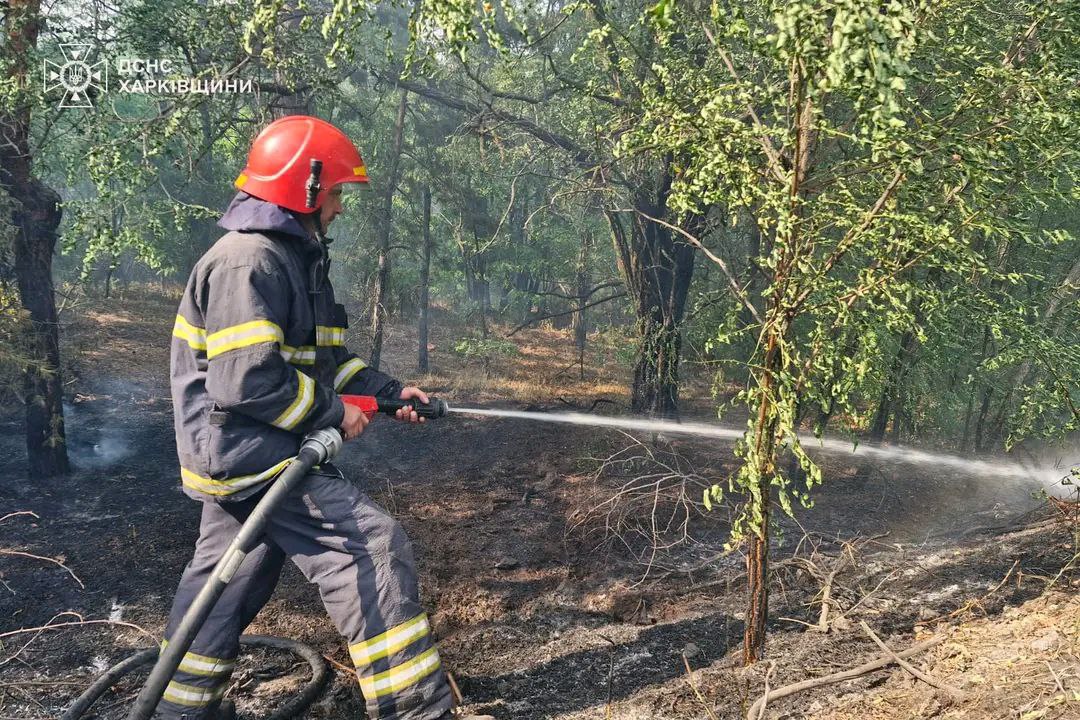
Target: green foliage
{"x": 613, "y": 344}
{"x": 488, "y": 348}
{"x": 16, "y": 354}
{"x": 890, "y": 156}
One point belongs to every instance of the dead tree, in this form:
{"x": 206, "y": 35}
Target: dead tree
{"x": 580, "y": 324}
{"x": 382, "y": 277}
{"x": 425, "y": 281}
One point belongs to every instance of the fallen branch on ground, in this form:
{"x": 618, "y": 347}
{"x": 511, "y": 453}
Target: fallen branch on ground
{"x": 1032, "y": 529}
{"x": 49, "y": 626}
{"x": 1067, "y": 567}
{"x": 826, "y": 569}
{"x": 342, "y": 667}
{"x": 971, "y": 604}
{"x": 17, "y": 553}
{"x": 651, "y": 510}
{"x": 57, "y": 626}
{"x": 826, "y": 596}
{"x": 769, "y": 672}
{"x": 20, "y": 512}
{"x": 694, "y": 687}
{"x": 840, "y": 676}
{"x": 930, "y": 680}
{"x": 459, "y": 699}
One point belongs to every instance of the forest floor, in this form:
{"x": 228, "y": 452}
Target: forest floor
{"x": 553, "y": 594}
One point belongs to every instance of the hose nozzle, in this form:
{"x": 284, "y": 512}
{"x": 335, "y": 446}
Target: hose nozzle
{"x": 435, "y": 408}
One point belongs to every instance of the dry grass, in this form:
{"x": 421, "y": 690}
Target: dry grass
{"x": 542, "y": 369}
{"x": 1021, "y": 665}
{"x": 128, "y": 338}
{"x": 124, "y": 338}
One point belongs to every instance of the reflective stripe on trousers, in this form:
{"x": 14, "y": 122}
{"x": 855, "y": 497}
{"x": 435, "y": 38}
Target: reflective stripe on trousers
{"x": 363, "y": 564}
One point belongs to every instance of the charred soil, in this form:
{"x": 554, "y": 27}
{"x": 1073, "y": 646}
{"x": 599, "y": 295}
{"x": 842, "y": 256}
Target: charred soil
{"x": 556, "y": 589}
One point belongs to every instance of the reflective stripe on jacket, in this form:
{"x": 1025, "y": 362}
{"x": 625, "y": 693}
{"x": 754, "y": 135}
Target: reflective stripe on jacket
{"x": 258, "y": 359}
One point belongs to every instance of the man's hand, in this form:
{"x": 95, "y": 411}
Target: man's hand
{"x": 406, "y": 415}
{"x": 354, "y": 422}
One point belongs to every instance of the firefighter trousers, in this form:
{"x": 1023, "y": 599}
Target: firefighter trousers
{"x": 362, "y": 562}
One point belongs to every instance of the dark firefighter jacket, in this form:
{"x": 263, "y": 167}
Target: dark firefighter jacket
{"x": 258, "y": 353}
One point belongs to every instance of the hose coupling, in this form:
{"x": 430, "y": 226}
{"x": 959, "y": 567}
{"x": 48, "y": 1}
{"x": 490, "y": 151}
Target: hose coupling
{"x": 326, "y": 442}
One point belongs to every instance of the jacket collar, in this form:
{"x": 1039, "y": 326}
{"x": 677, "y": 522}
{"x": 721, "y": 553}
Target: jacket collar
{"x": 247, "y": 213}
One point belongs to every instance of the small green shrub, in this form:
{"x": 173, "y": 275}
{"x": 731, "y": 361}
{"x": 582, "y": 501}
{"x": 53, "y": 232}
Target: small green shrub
{"x": 485, "y": 348}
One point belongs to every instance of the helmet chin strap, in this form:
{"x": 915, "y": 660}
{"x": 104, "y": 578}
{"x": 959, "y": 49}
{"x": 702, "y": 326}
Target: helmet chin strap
{"x": 320, "y": 231}
{"x": 312, "y": 223}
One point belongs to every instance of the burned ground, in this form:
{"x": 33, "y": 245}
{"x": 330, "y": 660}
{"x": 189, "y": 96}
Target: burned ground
{"x": 541, "y": 611}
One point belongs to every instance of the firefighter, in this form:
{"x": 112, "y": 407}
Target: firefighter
{"x": 258, "y": 360}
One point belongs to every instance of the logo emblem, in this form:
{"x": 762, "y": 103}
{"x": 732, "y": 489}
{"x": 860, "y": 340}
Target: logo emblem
{"x": 76, "y": 76}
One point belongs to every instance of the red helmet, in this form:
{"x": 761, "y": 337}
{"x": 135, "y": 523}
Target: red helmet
{"x": 279, "y": 163}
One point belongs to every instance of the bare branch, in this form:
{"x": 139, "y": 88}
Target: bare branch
{"x": 20, "y": 512}
{"x": 928, "y": 679}
{"x": 475, "y": 76}
{"x": 578, "y": 154}
{"x": 732, "y": 283}
{"x": 530, "y": 321}
{"x": 776, "y": 163}
{"x": 46, "y": 559}
{"x": 609, "y": 99}
{"x": 843, "y": 675}
{"x": 586, "y": 296}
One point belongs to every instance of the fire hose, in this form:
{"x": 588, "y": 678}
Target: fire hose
{"x": 317, "y": 447}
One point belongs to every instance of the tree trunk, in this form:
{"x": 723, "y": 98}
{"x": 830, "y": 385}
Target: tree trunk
{"x": 382, "y": 277}
{"x": 880, "y": 423}
{"x": 757, "y": 559}
{"x": 206, "y": 162}
{"x": 970, "y": 409}
{"x": 822, "y": 415}
{"x": 890, "y": 394}
{"x": 425, "y": 280}
{"x": 35, "y": 216}
{"x": 757, "y": 573}
{"x": 293, "y": 96}
{"x": 657, "y": 266}
{"x": 656, "y": 373}
{"x": 980, "y": 424}
{"x": 580, "y": 325}
{"x": 754, "y": 279}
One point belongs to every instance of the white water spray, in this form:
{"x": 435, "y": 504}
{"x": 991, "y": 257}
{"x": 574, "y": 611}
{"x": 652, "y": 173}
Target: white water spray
{"x": 1000, "y": 469}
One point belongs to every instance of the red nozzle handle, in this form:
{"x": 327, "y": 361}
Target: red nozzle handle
{"x": 367, "y": 404}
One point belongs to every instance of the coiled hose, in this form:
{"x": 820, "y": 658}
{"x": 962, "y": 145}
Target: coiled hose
{"x": 320, "y": 675}
{"x": 317, "y": 447}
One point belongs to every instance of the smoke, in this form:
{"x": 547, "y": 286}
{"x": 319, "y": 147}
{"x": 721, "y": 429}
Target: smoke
{"x": 95, "y": 438}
